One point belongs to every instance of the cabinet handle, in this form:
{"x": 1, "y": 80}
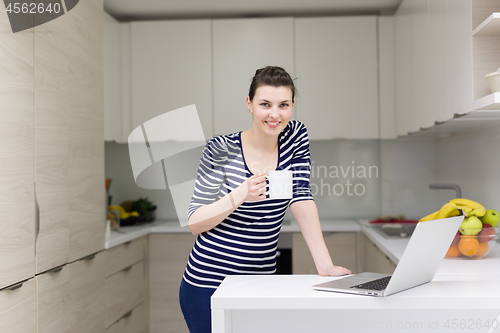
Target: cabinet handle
{"x": 37, "y": 214}
{"x": 16, "y": 286}
{"x": 55, "y": 270}
{"x": 90, "y": 257}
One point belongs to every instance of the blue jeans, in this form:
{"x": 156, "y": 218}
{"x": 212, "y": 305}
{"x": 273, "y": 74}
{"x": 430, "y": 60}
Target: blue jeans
{"x": 195, "y": 306}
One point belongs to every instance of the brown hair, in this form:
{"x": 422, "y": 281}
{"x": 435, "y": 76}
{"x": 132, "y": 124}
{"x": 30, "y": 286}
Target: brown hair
{"x": 271, "y": 76}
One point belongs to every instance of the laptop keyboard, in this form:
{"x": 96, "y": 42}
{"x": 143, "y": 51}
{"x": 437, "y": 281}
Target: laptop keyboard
{"x": 378, "y": 284}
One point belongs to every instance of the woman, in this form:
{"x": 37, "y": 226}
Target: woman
{"x": 237, "y": 226}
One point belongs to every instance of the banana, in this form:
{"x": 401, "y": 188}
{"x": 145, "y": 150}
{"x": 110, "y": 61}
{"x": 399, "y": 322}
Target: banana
{"x": 448, "y": 209}
{"x": 429, "y": 217}
{"x": 466, "y": 209}
{"x": 478, "y": 209}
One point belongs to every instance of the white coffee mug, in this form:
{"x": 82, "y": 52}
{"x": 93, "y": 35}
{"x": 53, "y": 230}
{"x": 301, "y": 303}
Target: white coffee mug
{"x": 280, "y": 184}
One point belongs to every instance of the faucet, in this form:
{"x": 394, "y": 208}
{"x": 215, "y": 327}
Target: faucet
{"x": 455, "y": 187}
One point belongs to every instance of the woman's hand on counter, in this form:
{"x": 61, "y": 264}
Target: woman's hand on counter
{"x": 334, "y": 271}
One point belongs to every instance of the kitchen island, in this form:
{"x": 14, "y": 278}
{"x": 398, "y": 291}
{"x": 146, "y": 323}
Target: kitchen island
{"x": 464, "y": 296}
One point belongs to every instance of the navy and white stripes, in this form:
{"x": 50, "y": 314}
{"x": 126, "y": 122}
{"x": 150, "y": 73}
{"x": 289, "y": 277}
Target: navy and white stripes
{"x": 245, "y": 242}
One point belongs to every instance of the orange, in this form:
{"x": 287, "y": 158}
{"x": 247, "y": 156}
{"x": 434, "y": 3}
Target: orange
{"x": 483, "y": 248}
{"x": 468, "y": 246}
{"x": 453, "y": 251}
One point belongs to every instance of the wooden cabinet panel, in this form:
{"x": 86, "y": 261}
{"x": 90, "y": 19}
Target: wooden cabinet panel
{"x": 86, "y": 129}
{"x": 17, "y": 151}
{"x": 375, "y": 260}
{"x": 132, "y": 322}
{"x": 168, "y": 257}
{"x": 342, "y": 247}
{"x": 338, "y": 80}
{"x": 238, "y": 46}
{"x": 18, "y": 308}
{"x": 51, "y": 161}
{"x": 52, "y": 291}
{"x": 122, "y": 256}
{"x": 87, "y": 295}
{"x": 124, "y": 291}
{"x": 171, "y": 68}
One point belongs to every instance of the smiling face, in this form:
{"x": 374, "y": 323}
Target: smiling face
{"x": 271, "y": 109}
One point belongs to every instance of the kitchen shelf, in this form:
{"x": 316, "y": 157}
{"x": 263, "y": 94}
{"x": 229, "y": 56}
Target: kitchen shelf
{"x": 490, "y": 102}
{"x": 489, "y": 27}
{"x": 486, "y": 112}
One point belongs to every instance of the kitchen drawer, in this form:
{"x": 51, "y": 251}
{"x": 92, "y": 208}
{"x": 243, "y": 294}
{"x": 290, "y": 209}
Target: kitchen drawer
{"x": 18, "y": 308}
{"x": 124, "y": 290}
{"x": 133, "y": 321}
{"x": 122, "y": 256}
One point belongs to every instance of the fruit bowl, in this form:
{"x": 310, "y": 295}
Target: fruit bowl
{"x": 473, "y": 243}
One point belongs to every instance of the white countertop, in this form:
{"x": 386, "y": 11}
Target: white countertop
{"x": 129, "y": 233}
{"x": 295, "y": 292}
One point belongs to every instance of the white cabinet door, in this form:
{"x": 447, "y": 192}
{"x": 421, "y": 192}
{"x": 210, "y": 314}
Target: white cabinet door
{"x": 336, "y": 66}
{"x": 17, "y": 152}
{"x": 459, "y": 56}
{"x": 171, "y": 68}
{"x": 112, "y": 80}
{"x": 405, "y": 84}
{"x": 52, "y": 144}
{"x": 240, "y": 47}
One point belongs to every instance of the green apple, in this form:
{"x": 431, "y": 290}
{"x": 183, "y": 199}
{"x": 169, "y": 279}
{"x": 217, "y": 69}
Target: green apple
{"x": 471, "y": 226}
{"x": 491, "y": 217}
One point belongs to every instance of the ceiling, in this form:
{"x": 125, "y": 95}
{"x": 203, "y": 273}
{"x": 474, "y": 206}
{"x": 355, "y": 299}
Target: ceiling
{"x": 129, "y": 10}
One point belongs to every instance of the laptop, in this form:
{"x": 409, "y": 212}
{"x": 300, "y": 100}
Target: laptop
{"x": 418, "y": 265}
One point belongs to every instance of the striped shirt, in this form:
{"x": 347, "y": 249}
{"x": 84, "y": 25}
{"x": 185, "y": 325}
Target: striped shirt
{"x": 245, "y": 242}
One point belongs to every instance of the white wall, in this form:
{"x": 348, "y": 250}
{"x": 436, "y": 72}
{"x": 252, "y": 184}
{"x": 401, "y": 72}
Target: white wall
{"x": 408, "y": 167}
{"x": 472, "y": 160}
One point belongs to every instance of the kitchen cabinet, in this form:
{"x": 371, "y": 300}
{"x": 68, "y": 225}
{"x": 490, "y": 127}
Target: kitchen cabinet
{"x": 132, "y": 322}
{"x": 124, "y": 291}
{"x": 87, "y": 199}
{"x": 52, "y": 145}
{"x": 375, "y": 260}
{"x": 69, "y": 154}
{"x": 338, "y": 81}
{"x": 343, "y": 248}
{"x": 171, "y": 67}
{"x": 441, "y": 64}
{"x": 52, "y": 291}
{"x": 112, "y": 80}
{"x": 87, "y": 294}
{"x": 70, "y": 298}
{"x": 18, "y": 307}
{"x": 126, "y": 285}
{"x": 169, "y": 255}
{"x": 17, "y": 149}
{"x": 240, "y": 47}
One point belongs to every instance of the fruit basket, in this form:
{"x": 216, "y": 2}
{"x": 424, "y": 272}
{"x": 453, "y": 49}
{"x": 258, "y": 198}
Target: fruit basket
{"x": 135, "y": 212}
{"x": 473, "y": 243}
